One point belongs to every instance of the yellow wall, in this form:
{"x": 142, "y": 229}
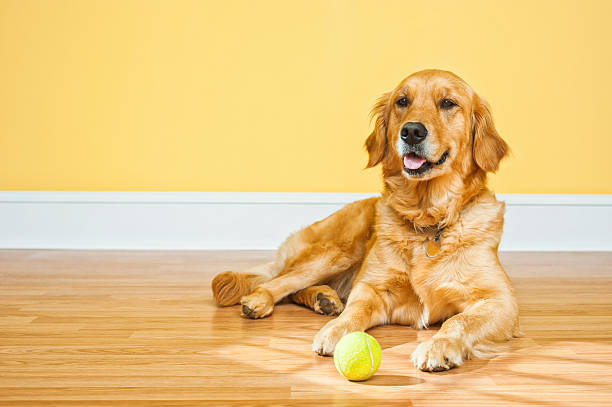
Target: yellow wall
{"x": 274, "y": 95}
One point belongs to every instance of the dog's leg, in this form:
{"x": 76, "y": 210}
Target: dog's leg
{"x": 321, "y": 299}
{"x": 316, "y": 263}
{"x": 229, "y": 287}
{"x": 481, "y": 325}
{"x": 364, "y": 309}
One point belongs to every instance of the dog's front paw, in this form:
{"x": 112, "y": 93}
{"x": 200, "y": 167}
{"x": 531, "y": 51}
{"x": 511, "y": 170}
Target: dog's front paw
{"x": 438, "y": 354}
{"x": 326, "y": 339}
{"x": 258, "y": 304}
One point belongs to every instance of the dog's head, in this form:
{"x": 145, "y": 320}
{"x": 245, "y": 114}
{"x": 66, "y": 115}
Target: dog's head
{"x": 433, "y": 123}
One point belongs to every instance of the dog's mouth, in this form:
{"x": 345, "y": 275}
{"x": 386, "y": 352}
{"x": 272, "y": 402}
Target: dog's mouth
{"x": 414, "y": 164}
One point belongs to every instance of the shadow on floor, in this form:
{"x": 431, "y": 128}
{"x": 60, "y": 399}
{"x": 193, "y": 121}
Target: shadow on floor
{"x": 392, "y": 380}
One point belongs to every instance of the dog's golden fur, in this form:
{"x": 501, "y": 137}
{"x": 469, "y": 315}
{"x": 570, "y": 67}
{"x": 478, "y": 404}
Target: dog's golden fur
{"x": 367, "y": 262}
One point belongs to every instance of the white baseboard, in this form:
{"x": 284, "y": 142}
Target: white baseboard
{"x": 237, "y": 220}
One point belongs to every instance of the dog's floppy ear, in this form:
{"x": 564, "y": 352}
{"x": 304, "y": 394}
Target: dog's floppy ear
{"x": 488, "y": 147}
{"x": 376, "y": 143}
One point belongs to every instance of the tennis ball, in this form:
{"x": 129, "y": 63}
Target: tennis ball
{"x": 357, "y": 356}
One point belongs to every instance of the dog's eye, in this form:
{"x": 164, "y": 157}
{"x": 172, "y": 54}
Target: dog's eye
{"x": 402, "y": 102}
{"x": 447, "y": 104}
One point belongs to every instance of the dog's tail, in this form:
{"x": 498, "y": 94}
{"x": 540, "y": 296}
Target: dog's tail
{"x": 229, "y": 287}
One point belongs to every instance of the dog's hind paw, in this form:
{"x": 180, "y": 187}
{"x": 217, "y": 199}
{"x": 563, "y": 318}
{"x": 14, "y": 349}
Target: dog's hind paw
{"x": 328, "y": 304}
{"x": 258, "y": 304}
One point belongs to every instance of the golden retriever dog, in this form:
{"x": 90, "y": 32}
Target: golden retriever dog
{"x": 425, "y": 251}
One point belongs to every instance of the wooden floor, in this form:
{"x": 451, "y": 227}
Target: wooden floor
{"x": 107, "y": 328}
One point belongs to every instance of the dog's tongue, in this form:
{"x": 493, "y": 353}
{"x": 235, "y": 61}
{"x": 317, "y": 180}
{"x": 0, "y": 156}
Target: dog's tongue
{"x": 413, "y": 162}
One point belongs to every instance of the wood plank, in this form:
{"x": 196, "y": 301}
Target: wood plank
{"x": 137, "y": 328}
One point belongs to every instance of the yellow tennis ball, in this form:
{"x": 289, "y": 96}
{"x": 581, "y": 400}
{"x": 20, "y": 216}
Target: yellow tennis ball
{"x": 357, "y": 356}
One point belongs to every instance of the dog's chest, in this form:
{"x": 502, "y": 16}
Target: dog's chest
{"x": 437, "y": 280}
{"x": 445, "y": 280}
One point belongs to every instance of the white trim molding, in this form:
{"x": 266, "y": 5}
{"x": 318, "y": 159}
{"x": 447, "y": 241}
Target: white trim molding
{"x": 259, "y": 220}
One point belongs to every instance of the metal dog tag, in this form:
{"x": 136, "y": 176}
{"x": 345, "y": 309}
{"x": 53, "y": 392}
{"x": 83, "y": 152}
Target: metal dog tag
{"x": 432, "y": 247}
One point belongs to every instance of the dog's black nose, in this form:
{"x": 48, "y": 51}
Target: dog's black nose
{"x": 413, "y": 133}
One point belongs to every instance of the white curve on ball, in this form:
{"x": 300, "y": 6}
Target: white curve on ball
{"x": 371, "y": 355}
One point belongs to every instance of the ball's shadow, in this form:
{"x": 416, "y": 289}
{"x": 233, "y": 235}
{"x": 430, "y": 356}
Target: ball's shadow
{"x": 392, "y": 380}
